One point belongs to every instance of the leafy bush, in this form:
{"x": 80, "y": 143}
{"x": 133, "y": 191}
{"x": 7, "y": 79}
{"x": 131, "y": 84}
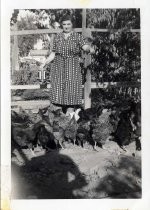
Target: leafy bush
{"x": 17, "y": 92}
{"x": 117, "y": 57}
{"x": 25, "y": 77}
{"x": 119, "y": 96}
{"x": 113, "y": 18}
{"x": 39, "y": 94}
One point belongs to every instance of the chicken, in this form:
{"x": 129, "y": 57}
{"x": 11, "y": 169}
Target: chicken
{"x": 20, "y": 117}
{"x": 101, "y": 128}
{"x": 135, "y": 111}
{"x": 49, "y": 113}
{"x": 71, "y": 130}
{"x": 83, "y": 132}
{"x": 59, "y": 137}
{"x": 54, "y": 117}
{"x": 60, "y": 122}
{"x": 47, "y": 119}
{"x": 45, "y": 139}
{"x": 25, "y": 137}
{"x": 129, "y": 126}
{"x": 124, "y": 129}
{"x": 89, "y": 114}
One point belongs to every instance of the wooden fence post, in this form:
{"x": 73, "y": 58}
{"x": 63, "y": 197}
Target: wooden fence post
{"x": 87, "y": 85}
{"x": 15, "y": 54}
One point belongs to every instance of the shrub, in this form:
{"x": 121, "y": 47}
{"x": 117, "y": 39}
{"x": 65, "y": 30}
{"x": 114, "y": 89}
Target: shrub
{"x": 39, "y": 94}
{"x": 117, "y": 57}
{"x": 25, "y": 77}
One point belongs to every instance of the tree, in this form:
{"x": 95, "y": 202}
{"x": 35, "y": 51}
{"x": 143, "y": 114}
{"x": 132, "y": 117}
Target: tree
{"x": 32, "y": 19}
{"x": 113, "y": 18}
{"x": 117, "y": 55}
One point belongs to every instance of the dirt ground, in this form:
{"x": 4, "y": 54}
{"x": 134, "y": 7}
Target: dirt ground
{"x": 77, "y": 173}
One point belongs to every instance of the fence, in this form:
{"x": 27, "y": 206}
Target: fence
{"x": 86, "y": 33}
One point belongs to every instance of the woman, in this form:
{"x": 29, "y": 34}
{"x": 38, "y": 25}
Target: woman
{"x": 66, "y": 77}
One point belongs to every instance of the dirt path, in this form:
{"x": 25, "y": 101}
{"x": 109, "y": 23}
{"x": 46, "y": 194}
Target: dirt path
{"x": 77, "y": 173}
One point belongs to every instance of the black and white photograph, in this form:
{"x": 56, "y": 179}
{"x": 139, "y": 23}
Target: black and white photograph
{"x": 76, "y": 103}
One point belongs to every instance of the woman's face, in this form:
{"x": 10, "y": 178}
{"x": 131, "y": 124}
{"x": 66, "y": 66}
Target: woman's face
{"x": 67, "y": 26}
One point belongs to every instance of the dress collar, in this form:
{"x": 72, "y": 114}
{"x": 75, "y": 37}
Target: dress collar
{"x": 71, "y": 34}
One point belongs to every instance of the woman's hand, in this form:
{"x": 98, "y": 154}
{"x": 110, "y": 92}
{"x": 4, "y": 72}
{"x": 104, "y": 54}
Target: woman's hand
{"x": 49, "y": 59}
{"x": 88, "y": 49}
{"x": 92, "y": 51}
{"x": 43, "y": 65}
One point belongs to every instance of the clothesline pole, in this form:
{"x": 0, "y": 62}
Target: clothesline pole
{"x": 87, "y": 86}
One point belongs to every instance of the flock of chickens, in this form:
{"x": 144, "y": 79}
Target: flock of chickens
{"x": 50, "y": 127}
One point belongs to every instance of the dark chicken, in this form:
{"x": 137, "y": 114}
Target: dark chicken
{"x": 45, "y": 139}
{"x": 129, "y": 126}
{"x": 25, "y": 137}
{"x": 90, "y": 113}
{"x": 20, "y": 117}
{"x": 136, "y": 123}
{"x": 123, "y": 132}
{"x": 83, "y": 132}
{"x": 47, "y": 116}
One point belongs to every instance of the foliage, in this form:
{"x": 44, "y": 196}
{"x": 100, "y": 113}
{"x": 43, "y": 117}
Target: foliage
{"x": 35, "y": 94}
{"x": 118, "y": 96}
{"x": 59, "y": 13}
{"x": 26, "y": 43}
{"x": 32, "y": 19}
{"x": 13, "y": 19}
{"x": 39, "y": 94}
{"x": 27, "y": 74}
{"x": 117, "y": 57}
{"x": 25, "y": 77}
{"x": 113, "y": 18}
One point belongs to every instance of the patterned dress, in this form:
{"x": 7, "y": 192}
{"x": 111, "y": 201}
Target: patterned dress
{"x": 66, "y": 77}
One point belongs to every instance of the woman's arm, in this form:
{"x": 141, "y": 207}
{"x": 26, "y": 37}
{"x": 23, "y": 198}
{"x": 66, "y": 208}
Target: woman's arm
{"x": 49, "y": 59}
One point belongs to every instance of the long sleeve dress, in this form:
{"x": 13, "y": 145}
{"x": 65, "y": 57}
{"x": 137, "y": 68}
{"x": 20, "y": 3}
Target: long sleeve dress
{"x": 66, "y": 77}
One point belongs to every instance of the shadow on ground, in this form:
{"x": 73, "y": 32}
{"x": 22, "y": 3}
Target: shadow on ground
{"x": 123, "y": 180}
{"x": 49, "y": 176}
{"x": 57, "y": 176}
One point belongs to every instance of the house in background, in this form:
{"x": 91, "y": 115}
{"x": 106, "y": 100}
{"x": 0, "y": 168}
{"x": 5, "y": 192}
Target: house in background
{"x": 38, "y": 55}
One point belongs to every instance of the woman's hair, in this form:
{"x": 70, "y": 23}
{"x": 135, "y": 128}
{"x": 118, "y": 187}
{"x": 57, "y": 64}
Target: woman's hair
{"x": 67, "y": 17}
